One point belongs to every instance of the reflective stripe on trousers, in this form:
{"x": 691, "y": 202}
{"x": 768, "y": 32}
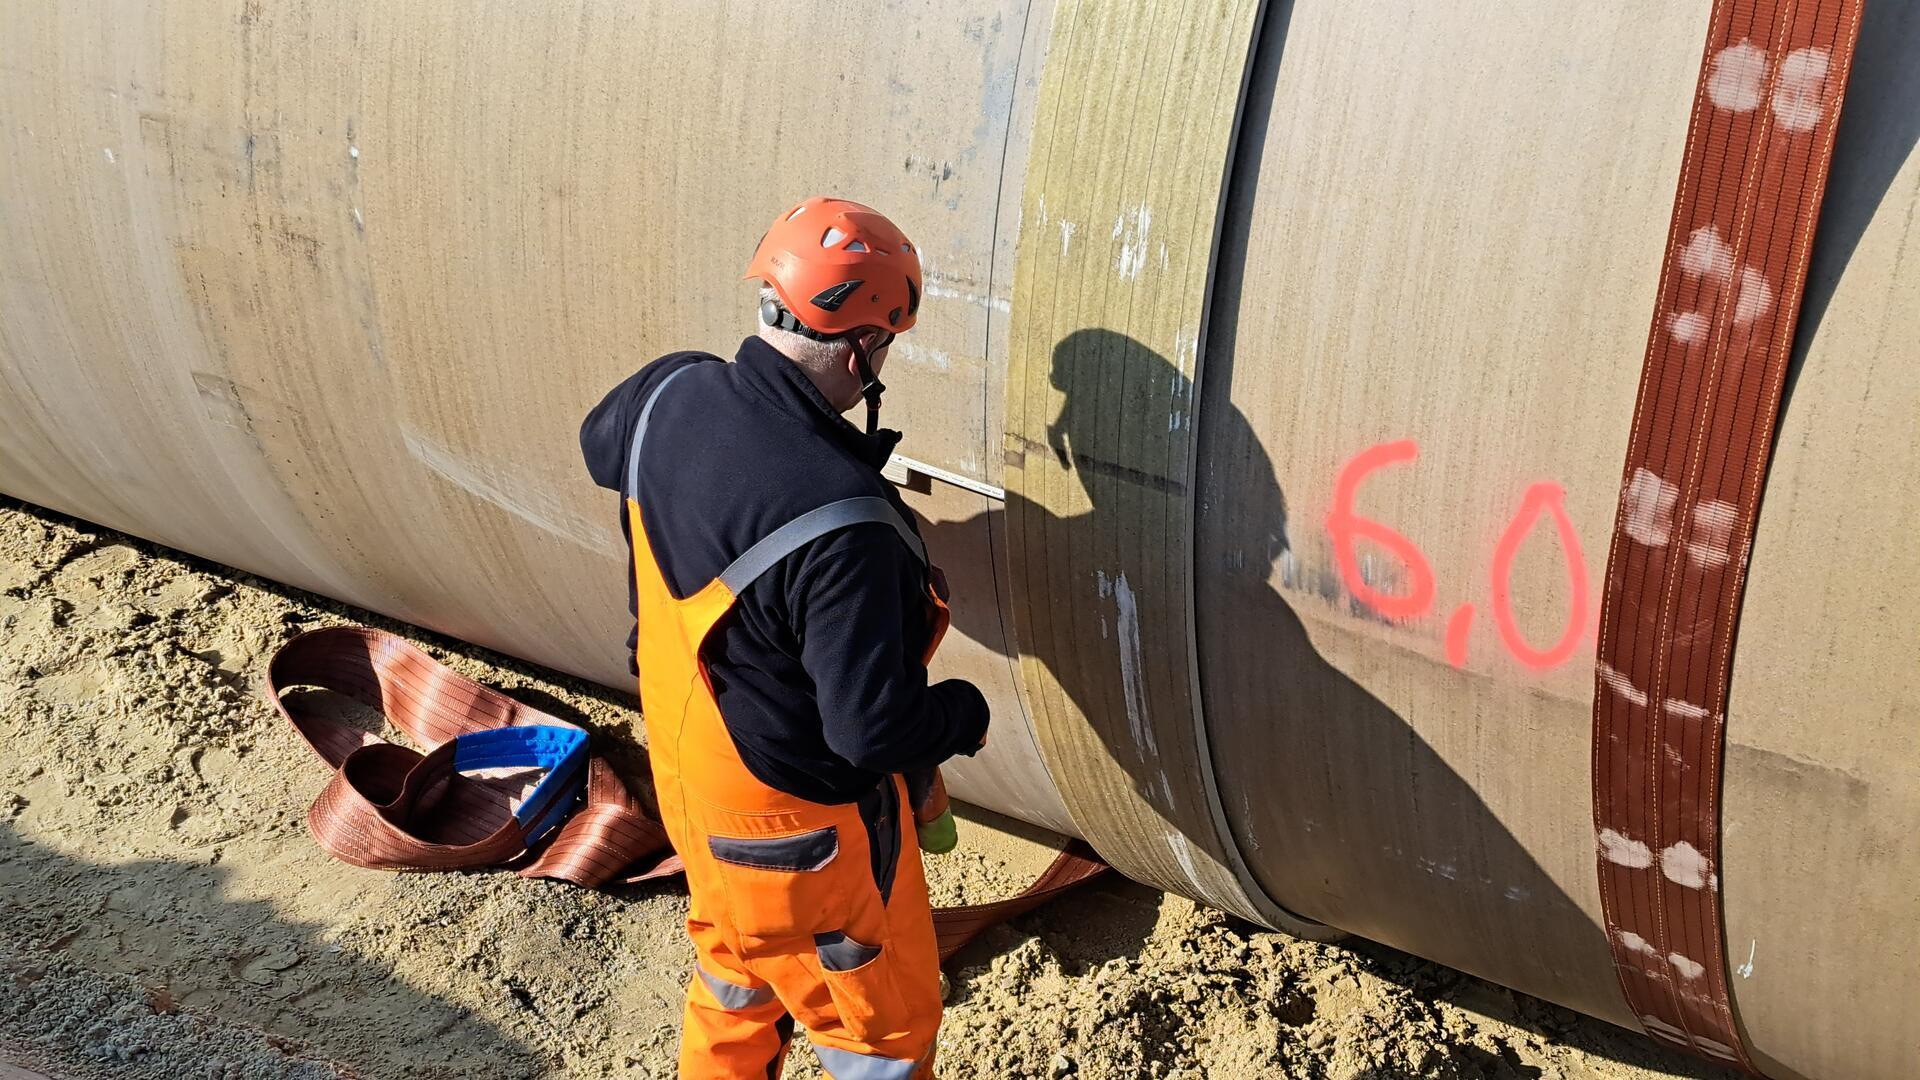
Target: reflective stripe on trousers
{"x": 843, "y": 1065}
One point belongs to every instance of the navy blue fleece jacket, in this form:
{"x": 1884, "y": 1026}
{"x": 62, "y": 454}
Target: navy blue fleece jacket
{"x": 817, "y": 668}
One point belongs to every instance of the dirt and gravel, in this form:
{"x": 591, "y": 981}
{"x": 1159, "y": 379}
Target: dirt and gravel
{"x": 164, "y": 915}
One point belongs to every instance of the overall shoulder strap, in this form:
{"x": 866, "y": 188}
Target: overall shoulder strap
{"x": 790, "y": 537}
{"x": 812, "y": 525}
{"x": 632, "y": 489}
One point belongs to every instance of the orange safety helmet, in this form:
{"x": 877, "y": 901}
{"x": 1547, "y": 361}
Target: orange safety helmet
{"x": 839, "y": 268}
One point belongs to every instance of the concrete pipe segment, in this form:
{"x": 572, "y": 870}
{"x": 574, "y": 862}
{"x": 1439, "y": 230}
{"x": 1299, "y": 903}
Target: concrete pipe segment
{"x": 1356, "y": 432}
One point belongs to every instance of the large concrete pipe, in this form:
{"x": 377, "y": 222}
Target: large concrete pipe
{"x": 322, "y": 290}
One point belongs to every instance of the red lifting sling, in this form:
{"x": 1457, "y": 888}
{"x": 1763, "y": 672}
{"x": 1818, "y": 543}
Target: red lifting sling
{"x": 388, "y": 807}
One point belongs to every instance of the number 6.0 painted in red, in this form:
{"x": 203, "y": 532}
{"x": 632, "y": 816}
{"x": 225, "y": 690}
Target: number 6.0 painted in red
{"x": 1345, "y": 527}
{"x": 1543, "y": 497}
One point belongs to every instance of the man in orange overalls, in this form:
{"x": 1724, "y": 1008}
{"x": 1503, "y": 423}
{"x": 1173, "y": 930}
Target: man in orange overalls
{"x": 785, "y": 614}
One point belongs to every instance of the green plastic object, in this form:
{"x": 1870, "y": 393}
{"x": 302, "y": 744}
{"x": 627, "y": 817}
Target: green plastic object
{"x": 941, "y": 835}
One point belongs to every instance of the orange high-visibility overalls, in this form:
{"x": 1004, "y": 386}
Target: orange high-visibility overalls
{"x": 801, "y": 911}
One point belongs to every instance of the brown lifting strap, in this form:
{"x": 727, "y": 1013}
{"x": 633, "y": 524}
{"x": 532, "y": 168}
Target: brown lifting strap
{"x": 462, "y": 822}
{"x": 388, "y": 807}
{"x": 1758, "y": 149}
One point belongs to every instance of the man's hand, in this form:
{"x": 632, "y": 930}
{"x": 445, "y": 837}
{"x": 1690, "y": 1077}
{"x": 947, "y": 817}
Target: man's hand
{"x": 941, "y": 835}
{"x": 933, "y": 818}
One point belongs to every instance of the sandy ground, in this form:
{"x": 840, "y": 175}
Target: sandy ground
{"x": 163, "y": 913}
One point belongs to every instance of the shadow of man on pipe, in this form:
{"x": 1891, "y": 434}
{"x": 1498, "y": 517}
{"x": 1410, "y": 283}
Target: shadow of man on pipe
{"x": 1343, "y": 810}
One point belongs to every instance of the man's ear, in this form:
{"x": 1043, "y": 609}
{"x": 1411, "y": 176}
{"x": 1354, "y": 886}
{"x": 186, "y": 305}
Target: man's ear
{"x": 854, "y": 345}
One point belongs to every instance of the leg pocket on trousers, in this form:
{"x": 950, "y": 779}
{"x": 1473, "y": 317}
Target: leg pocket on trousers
{"x": 780, "y": 886}
{"x": 859, "y": 977}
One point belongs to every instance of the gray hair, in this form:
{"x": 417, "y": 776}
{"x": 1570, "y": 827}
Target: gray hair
{"x": 799, "y": 348}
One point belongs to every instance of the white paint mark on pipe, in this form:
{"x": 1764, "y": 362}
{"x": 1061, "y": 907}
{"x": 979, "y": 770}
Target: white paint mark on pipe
{"x": 524, "y": 498}
{"x": 1625, "y": 851}
{"x": 1737, "y": 76}
{"x": 1133, "y": 249}
{"x": 1132, "y": 680}
{"x": 1745, "y": 970}
{"x": 1685, "y": 866}
{"x": 1685, "y": 710}
{"x": 1647, "y": 508}
{"x": 1000, "y": 304}
{"x": 923, "y": 356}
{"x": 1755, "y": 297}
{"x": 939, "y": 287}
{"x": 1711, "y": 544}
{"x": 1633, "y": 942}
{"x": 1688, "y": 329}
{"x": 1186, "y": 346}
{"x": 1066, "y": 237}
{"x": 1619, "y": 683}
{"x": 1183, "y": 854}
{"x": 108, "y": 150}
{"x": 1688, "y": 967}
{"x": 1707, "y": 255}
{"x": 1799, "y": 86}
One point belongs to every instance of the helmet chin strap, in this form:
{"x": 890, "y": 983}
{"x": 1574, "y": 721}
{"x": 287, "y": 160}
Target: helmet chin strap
{"x": 773, "y": 314}
{"x": 870, "y": 385}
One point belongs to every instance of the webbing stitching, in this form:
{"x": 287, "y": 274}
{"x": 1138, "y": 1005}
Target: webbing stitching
{"x": 1690, "y": 166}
{"x": 1711, "y": 438}
{"x": 1752, "y": 172}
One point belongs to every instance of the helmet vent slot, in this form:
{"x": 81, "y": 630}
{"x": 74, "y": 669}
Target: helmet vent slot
{"x": 831, "y": 237}
{"x": 830, "y": 299}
